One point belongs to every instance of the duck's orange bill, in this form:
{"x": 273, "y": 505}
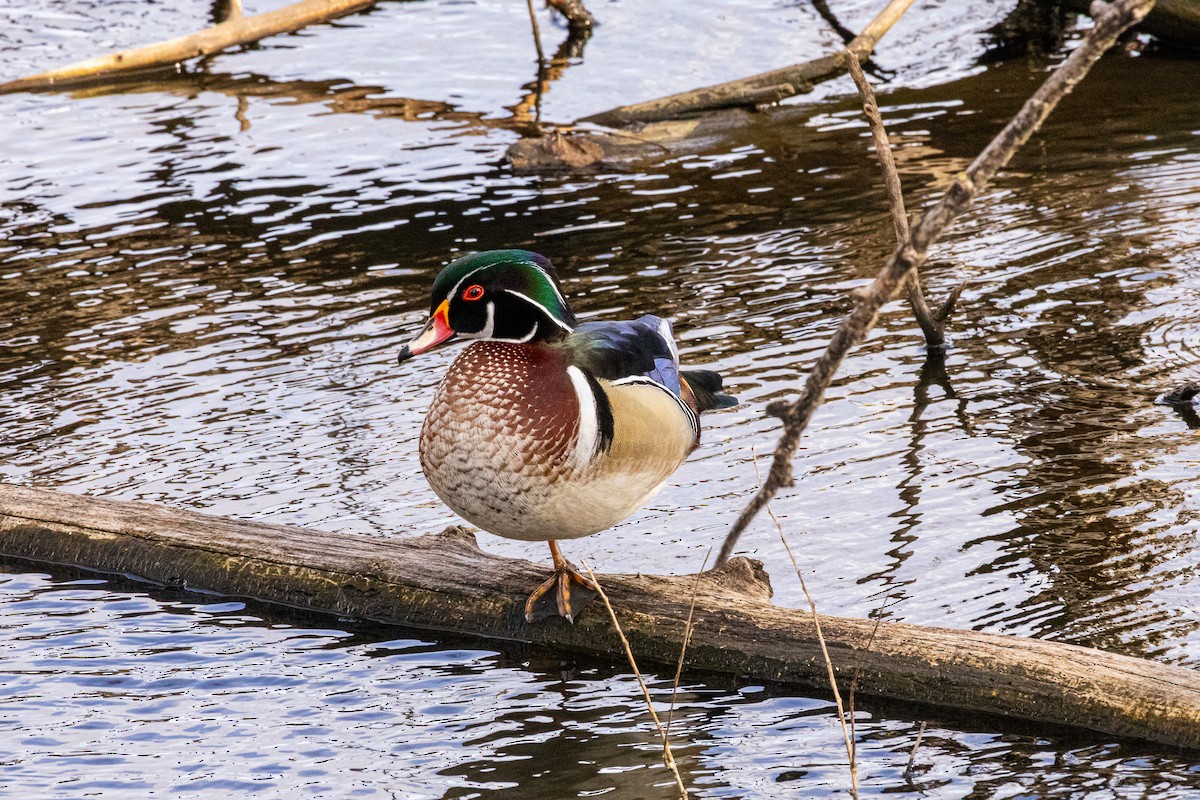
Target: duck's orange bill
{"x": 437, "y": 332}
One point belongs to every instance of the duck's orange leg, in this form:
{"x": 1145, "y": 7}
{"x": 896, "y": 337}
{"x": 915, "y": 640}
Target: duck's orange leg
{"x": 564, "y": 575}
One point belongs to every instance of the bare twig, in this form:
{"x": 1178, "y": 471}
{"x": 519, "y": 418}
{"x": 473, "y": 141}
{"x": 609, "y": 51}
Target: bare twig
{"x": 687, "y": 637}
{"x": 540, "y": 82}
{"x": 528, "y": 111}
{"x": 757, "y": 89}
{"x": 822, "y": 8}
{"x": 668, "y": 758}
{"x": 908, "y": 770}
{"x": 931, "y": 325}
{"x": 847, "y": 735}
{"x": 796, "y": 415}
{"x": 537, "y": 35}
{"x": 235, "y": 30}
{"x": 883, "y": 146}
{"x": 858, "y": 672}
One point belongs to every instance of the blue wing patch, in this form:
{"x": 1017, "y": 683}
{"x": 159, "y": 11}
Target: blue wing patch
{"x": 643, "y": 348}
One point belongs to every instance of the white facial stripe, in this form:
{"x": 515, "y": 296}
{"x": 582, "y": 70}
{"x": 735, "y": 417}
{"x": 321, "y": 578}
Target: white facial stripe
{"x": 533, "y": 264}
{"x": 557, "y": 293}
{"x": 588, "y": 439}
{"x": 529, "y": 336}
{"x": 553, "y": 318}
{"x": 489, "y": 327}
{"x": 454, "y": 292}
{"x": 523, "y": 340}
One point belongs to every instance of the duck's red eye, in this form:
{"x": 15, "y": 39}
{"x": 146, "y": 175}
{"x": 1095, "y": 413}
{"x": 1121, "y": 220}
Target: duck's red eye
{"x": 472, "y": 292}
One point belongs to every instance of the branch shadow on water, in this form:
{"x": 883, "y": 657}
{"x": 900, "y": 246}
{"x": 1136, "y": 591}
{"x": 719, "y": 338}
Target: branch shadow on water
{"x": 933, "y": 375}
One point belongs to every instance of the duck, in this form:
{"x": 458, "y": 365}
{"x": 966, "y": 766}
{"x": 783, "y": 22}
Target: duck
{"x": 545, "y": 428}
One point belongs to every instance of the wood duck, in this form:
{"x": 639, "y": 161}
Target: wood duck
{"x": 545, "y": 428}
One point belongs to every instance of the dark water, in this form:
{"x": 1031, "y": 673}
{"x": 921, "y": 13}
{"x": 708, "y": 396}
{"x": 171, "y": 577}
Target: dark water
{"x": 204, "y": 281}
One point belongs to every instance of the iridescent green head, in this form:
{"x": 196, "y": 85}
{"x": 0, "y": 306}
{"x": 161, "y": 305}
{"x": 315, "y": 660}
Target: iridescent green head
{"x": 498, "y": 295}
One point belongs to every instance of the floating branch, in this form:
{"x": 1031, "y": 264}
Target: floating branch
{"x": 762, "y": 89}
{"x": 1114, "y": 21}
{"x": 445, "y": 582}
{"x": 235, "y": 30}
{"x": 231, "y": 30}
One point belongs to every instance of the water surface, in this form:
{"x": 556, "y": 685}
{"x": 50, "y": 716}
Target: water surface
{"x": 204, "y": 282}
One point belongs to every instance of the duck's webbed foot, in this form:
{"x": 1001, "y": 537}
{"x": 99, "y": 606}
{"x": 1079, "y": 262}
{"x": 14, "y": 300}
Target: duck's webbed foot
{"x": 565, "y": 603}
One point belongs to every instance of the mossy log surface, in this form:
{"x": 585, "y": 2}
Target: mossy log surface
{"x": 445, "y": 582}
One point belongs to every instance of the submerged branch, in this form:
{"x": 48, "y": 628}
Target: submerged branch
{"x": 796, "y": 415}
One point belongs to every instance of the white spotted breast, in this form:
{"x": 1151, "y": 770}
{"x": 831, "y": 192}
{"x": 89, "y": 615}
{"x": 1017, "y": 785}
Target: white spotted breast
{"x": 504, "y": 445}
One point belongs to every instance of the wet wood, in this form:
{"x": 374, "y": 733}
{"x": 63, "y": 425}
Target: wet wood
{"x": 762, "y": 89}
{"x": 564, "y": 149}
{"x": 615, "y": 141}
{"x": 445, "y": 582}
{"x": 578, "y": 18}
{"x": 235, "y": 30}
{"x": 1176, "y": 21}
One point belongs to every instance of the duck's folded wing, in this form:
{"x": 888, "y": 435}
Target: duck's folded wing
{"x": 642, "y": 349}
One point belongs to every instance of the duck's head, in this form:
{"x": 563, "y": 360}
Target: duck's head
{"x": 497, "y": 295}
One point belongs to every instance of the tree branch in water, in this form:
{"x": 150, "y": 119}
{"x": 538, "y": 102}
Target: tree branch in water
{"x": 932, "y": 324}
{"x": 766, "y": 87}
{"x": 1114, "y": 21}
{"x": 234, "y": 30}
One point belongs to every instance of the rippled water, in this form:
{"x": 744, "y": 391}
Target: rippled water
{"x": 118, "y": 693}
{"x": 204, "y": 282}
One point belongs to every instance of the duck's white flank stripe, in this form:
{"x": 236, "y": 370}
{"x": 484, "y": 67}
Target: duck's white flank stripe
{"x": 588, "y": 439}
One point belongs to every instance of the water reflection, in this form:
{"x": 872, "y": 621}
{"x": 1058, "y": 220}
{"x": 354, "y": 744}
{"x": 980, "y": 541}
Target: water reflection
{"x": 197, "y": 695}
{"x": 205, "y": 314}
{"x": 240, "y": 318}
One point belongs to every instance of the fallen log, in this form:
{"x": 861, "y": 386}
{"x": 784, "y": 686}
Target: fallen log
{"x": 236, "y": 30}
{"x": 232, "y": 29}
{"x": 445, "y": 582}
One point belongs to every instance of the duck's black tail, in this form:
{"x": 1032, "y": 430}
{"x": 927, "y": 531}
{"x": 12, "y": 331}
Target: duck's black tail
{"x": 706, "y": 387}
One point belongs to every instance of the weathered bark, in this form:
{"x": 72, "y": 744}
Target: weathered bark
{"x": 765, "y": 88}
{"x": 444, "y": 582}
{"x": 579, "y": 19}
{"x": 1176, "y": 21}
{"x": 235, "y": 30}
